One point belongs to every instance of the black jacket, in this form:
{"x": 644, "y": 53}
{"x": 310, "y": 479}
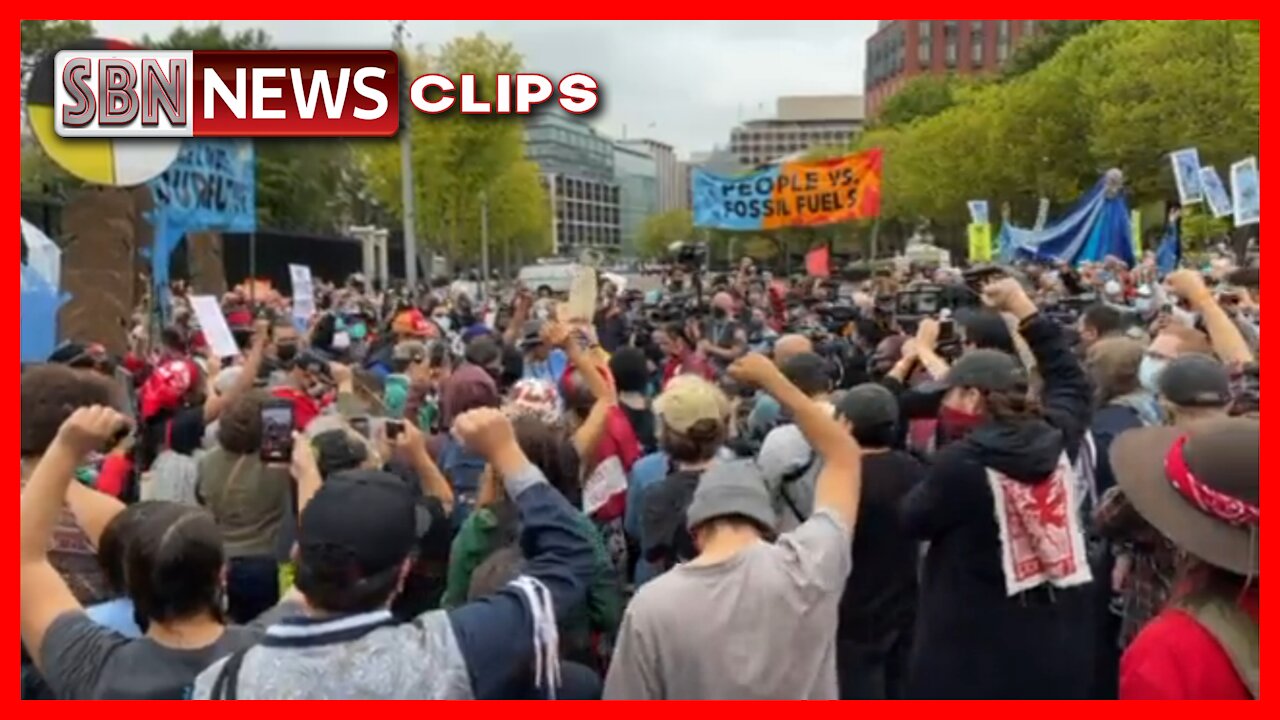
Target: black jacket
{"x": 972, "y": 639}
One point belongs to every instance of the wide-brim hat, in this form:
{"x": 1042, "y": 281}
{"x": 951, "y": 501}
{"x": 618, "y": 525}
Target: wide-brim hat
{"x": 1211, "y": 511}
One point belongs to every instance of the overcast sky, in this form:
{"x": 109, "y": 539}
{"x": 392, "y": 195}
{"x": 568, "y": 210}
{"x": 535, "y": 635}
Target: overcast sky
{"x": 680, "y": 81}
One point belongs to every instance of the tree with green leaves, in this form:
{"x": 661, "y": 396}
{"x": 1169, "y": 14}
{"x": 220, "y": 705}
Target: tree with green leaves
{"x": 660, "y": 230}
{"x": 922, "y": 97}
{"x": 1120, "y": 94}
{"x": 456, "y": 159}
{"x": 1050, "y": 36}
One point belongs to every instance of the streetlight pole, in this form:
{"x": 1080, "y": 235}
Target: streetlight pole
{"x": 407, "y": 192}
{"x": 484, "y": 243}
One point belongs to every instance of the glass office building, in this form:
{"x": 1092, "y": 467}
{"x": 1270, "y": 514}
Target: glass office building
{"x": 577, "y": 167}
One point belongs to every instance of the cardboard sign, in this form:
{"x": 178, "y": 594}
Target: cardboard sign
{"x": 214, "y": 325}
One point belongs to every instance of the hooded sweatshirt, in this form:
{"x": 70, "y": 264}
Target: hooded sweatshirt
{"x": 974, "y": 639}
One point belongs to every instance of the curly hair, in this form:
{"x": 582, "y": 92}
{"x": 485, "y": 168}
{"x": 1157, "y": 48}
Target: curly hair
{"x": 48, "y": 396}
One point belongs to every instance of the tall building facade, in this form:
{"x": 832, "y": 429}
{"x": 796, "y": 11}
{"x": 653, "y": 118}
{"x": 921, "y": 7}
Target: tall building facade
{"x": 635, "y": 170}
{"x": 802, "y": 122}
{"x": 577, "y": 167}
{"x": 670, "y": 192}
{"x": 902, "y": 49}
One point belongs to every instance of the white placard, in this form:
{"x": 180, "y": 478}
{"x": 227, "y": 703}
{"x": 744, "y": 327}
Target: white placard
{"x": 1215, "y": 193}
{"x": 1186, "y": 174}
{"x": 1246, "y": 203}
{"x": 304, "y": 294}
{"x": 214, "y": 326}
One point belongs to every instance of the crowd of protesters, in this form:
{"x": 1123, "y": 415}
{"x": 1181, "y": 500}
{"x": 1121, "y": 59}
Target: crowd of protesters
{"x": 1005, "y": 483}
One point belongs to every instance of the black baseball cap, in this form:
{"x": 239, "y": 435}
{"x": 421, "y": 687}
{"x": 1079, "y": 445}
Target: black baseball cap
{"x": 360, "y": 523}
{"x": 1196, "y": 380}
{"x": 868, "y": 405}
{"x": 989, "y": 370}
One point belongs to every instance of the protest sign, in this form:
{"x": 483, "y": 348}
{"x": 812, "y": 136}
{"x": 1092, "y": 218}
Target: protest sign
{"x": 979, "y": 212}
{"x": 1186, "y": 173}
{"x": 214, "y": 326}
{"x": 582, "y": 296}
{"x": 1215, "y": 193}
{"x": 817, "y": 262}
{"x": 790, "y": 194}
{"x": 979, "y": 242}
{"x": 209, "y": 187}
{"x": 304, "y": 294}
{"x": 1245, "y": 201}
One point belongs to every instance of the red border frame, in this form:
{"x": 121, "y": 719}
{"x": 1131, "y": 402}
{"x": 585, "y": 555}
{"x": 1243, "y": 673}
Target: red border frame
{"x": 708, "y": 9}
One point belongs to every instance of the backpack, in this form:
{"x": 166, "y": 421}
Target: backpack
{"x": 463, "y": 470}
{"x": 1234, "y": 630}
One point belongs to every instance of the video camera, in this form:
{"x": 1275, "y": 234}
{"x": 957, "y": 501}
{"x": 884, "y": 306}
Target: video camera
{"x": 689, "y": 255}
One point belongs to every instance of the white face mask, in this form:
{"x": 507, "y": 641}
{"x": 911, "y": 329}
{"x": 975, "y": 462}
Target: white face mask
{"x": 444, "y": 321}
{"x": 1185, "y": 317}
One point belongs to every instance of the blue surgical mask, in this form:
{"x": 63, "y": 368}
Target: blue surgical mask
{"x": 444, "y": 321}
{"x": 358, "y": 330}
{"x": 1149, "y": 371}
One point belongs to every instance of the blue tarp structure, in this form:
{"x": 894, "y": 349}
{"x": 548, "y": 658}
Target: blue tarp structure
{"x": 39, "y": 317}
{"x": 1096, "y": 226}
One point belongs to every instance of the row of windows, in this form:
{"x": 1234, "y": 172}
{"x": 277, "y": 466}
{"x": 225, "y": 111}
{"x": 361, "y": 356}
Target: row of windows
{"x": 570, "y": 235}
{"x": 585, "y": 212}
{"x": 885, "y": 57}
{"x": 809, "y": 134}
{"x": 579, "y": 188}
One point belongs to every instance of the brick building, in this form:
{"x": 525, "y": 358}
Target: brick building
{"x": 902, "y": 49}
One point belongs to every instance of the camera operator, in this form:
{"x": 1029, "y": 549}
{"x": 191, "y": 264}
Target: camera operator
{"x": 722, "y": 339}
{"x": 929, "y": 425}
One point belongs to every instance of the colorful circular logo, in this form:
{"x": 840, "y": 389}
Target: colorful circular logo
{"x": 103, "y": 161}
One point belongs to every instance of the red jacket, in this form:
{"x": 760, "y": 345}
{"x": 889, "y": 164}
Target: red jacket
{"x": 1176, "y": 658}
{"x": 305, "y": 408}
{"x": 692, "y": 364}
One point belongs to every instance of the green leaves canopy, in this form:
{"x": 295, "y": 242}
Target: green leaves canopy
{"x": 1123, "y": 94}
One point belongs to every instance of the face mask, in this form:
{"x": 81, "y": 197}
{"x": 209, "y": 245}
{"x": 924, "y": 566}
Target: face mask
{"x": 444, "y": 321}
{"x": 1142, "y": 305}
{"x": 1186, "y": 317}
{"x": 286, "y": 353}
{"x": 358, "y": 330}
{"x": 955, "y": 424}
{"x": 1149, "y": 373}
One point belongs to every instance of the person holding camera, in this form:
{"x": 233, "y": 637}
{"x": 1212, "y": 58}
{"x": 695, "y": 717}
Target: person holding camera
{"x": 1006, "y": 609}
{"x": 722, "y": 339}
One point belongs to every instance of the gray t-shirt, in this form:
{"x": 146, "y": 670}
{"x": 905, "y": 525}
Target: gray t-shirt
{"x": 84, "y": 661}
{"x": 758, "y": 626}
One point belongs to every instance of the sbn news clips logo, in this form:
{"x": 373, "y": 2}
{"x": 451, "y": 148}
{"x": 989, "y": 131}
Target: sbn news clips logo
{"x": 274, "y": 93}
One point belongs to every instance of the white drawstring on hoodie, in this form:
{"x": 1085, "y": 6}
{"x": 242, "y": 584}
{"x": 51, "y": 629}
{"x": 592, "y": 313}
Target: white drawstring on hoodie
{"x": 546, "y": 637}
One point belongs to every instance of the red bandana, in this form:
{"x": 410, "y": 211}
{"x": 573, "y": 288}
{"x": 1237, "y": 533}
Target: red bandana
{"x": 1219, "y": 505}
